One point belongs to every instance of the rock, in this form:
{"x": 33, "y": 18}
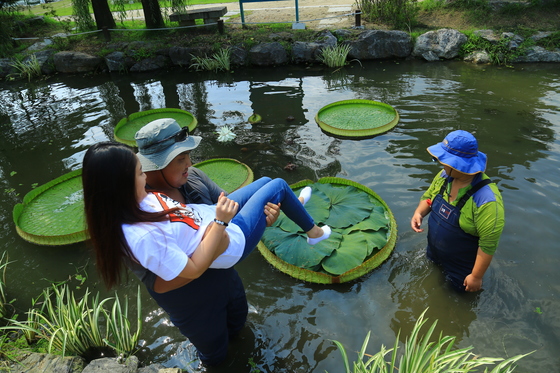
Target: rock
{"x": 46, "y": 363}
{"x": 118, "y": 61}
{"x": 443, "y": 43}
{"x": 238, "y": 56}
{"x": 539, "y": 54}
{"x": 514, "y": 40}
{"x": 45, "y": 59}
{"x": 181, "y": 56}
{"x": 478, "y": 57}
{"x": 150, "y": 64}
{"x": 303, "y": 52}
{"x": 76, "y": 62}
{"x": 380, "y": 44}
{"x": 6, "y": 67}
{"x": 268, "y": 54}
{"x": 488, "y": 35}
{"x": 111, "y": 365}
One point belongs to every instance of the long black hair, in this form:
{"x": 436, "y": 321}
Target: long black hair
{"x": 108, "y": 179}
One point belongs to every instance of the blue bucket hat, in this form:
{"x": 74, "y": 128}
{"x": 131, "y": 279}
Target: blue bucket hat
{"x": 459, "y": 150}
{"x": 160, "y": 141}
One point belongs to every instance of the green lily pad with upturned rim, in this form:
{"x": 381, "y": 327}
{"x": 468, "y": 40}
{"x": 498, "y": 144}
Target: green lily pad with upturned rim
{"x": 228, "y": 173}
{"x": 376, "y": 234}
{"x": 53, "y": 213}
{"x": 127, "y": 127}
{"x": 357, "y": 118}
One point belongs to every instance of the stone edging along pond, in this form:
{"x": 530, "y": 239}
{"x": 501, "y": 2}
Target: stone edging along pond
{"x": 443, "y": 44}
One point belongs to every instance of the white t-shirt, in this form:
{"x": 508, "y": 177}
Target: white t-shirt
{"x": 165, "y": 247}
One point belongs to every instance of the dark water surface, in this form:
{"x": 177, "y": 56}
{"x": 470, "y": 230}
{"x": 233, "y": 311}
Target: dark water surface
{"x": 515, "y": 113}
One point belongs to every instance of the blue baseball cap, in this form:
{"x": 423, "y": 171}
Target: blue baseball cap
{"x": 459, "y": 150}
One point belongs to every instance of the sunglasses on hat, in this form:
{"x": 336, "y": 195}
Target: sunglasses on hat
{"x": 180, "y": 136}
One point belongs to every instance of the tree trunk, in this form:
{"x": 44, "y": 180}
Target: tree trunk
{"x": 152, "y": 14}
{"x": 102, "y": 14}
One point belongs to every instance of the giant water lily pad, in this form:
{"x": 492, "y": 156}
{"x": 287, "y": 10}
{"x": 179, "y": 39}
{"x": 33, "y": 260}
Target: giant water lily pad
{"x": 127, "y": 127}
{"x": 357, "y": 118}
{"x": 228, "y": 173}
{"x": 53, "y": 213}
{"x": 363, "y": 235}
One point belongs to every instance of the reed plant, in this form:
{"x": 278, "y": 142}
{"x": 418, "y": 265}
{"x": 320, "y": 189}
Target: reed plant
{"x": 4, "y": 304}
{"x": 335, "y": 56}
{"x": 220, "y": 61}
{"x": 28, "y": 68}
{"x": 421, "y": 354}
{"x": 76, "y": 326}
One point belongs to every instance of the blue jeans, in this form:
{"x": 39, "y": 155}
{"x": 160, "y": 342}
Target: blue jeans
{"x": 252, "y": 199}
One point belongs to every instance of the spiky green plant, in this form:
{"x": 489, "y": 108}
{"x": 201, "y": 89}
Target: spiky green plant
{"x": 423, "y": 355}
{"x": 4, "y": 304}
{"x": 219, "y": 61}
{"x": 335, "y": 56}
{"x": 122, "y": 339}
{"x": 29, "y": 68}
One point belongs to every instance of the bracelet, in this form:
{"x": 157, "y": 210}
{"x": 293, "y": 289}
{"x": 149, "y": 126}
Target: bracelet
{"x": 221, "y": 222}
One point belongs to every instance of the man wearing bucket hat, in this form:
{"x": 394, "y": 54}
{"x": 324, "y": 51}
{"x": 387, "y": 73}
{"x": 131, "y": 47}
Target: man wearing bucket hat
{"x": 213, "y": 308}
{"x": 467, "y": 212}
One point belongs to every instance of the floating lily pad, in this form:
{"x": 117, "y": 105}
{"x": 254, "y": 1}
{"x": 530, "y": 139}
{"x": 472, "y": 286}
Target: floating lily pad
{"x": 53, "y": 213}
{"x": 127, "y": 127}
{"x": 357, "y": 118}
{"x": 228, "y": 173}
{"x": 363, "y": 235}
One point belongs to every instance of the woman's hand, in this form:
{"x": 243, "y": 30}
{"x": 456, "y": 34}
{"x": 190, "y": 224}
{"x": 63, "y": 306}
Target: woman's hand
{"x": 272, "y": 212}
{"x": 226, "y": 208}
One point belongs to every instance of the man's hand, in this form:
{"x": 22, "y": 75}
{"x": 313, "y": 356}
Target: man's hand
{"x": 272, "y": 213}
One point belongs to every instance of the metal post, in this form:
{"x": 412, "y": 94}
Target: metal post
{"x": 242, "y": 15}
{"x": 221, "y": 26}
{"x": 358, "y": 15}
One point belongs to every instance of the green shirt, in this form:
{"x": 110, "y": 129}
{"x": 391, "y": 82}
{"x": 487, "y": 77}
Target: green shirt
{"x": 483, "y": 218}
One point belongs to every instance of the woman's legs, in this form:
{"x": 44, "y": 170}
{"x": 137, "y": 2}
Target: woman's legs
{"x": 252, "y": 200}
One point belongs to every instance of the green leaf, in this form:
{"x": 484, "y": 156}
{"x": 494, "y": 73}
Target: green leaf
{"x": 351, "y": 253}
{"x": 294, "y": 249}
{"x": 349, "y": 205}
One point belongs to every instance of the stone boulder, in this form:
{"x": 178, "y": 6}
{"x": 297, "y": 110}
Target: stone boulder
{"x": 150, "y": 64}
{"x": 45, "y": 59}
{"x": 181, "y": 56}
{"x": 268, "y": 54}
{"x": 303, "y": 52}
{"x": 380, "y": 44}
{"x": 76, "y": 62}
{"x": 443, "y": 43}
{"x": 539, "y": 54}
{"x": 6, "y": 67}
{"x": 239, "y": 55}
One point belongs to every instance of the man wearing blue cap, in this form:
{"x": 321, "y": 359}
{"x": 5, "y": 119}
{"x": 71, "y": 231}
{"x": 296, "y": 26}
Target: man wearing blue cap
{"x": 467, "y": 212}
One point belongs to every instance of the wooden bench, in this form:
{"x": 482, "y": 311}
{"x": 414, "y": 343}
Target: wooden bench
{"x": 208, "y": 15}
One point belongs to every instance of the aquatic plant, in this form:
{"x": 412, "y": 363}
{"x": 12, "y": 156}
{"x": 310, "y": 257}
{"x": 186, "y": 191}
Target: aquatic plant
{"x": 335, "y": 56}
{"x": 225, "y": 134}
{"x": 28, "y": 68}
{"x": 3, "y": 300}
{"x": 422, "y": 355}
{"x": 218, "y": 62}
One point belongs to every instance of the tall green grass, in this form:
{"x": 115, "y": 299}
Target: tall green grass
{"x": 424, "y": 354}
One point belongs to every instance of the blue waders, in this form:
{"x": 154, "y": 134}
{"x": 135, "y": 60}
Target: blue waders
{"x": 448, "y": 245}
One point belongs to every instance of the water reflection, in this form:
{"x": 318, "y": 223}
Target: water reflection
{"x": 515, "y": 114}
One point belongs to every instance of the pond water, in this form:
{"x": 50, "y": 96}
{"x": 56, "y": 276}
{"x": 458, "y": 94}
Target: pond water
{"x": 514, "y": 112}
